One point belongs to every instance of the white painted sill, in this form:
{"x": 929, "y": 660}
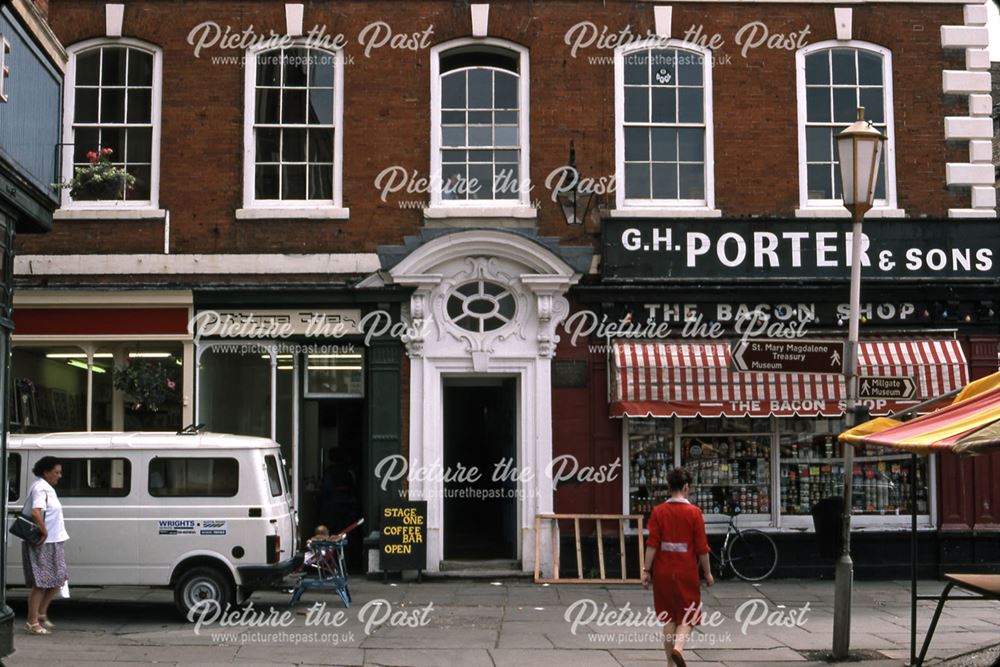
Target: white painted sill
{"x": 841, "y": 212}
{"x": 290, "y": 213}
{"x": 666, "y": 212}
{"x": 520, "y": 212}
{"x": 116, "y": 213}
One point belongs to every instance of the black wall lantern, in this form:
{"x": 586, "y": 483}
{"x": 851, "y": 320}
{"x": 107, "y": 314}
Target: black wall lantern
{"x": 579, "y": 204}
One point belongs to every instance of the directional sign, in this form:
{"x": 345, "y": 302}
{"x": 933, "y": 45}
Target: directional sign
{"x": 763, "y": 355}
{"x": 899, "y": 388}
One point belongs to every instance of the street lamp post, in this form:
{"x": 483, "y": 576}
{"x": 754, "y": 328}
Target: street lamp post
{"x": 860, "y": 149}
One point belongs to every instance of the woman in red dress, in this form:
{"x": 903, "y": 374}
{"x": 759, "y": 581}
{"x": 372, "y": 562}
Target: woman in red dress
{"x": 676, "y": 546}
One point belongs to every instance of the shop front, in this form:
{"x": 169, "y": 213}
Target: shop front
{"x": 764, "y": 445}
{"x": 316, "y": 372}
{"x": 761, "y": 441}
{"x": 101, "y": 361}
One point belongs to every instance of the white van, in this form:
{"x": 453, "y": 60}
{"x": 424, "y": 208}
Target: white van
{"x": 206, "y": 514}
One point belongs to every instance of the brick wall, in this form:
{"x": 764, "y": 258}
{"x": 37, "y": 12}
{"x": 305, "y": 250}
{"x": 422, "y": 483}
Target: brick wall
{"x": 387, "y": 112}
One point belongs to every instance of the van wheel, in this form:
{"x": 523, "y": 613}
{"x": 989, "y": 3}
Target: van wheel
{"x": 200, "y": 584}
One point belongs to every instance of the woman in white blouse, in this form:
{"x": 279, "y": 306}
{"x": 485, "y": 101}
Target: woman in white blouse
{"x": 44, "y": 562}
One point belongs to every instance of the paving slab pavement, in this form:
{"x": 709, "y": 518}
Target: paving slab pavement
{"x": 511, "y": 622}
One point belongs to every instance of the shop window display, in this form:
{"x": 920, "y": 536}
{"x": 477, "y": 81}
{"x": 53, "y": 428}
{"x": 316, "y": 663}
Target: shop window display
{"x": 651, "y": 457}
{"x": 731, "y": 461}
{"x": 812, "y": 468}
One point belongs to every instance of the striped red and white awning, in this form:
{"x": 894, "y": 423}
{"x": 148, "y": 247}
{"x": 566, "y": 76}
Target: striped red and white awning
{"x": 665, "y": 379}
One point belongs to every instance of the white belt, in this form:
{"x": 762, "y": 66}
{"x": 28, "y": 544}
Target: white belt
{"x": 675, "y": 547}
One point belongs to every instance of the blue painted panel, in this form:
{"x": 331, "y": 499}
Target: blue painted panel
{"x": 31, "y": 118}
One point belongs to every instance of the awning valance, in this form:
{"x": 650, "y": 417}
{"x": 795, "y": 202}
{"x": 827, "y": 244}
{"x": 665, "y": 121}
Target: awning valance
{"x": 668, "y": 379}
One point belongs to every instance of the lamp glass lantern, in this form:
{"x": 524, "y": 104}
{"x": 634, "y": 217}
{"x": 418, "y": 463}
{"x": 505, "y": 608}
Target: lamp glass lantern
{"x": 860, "y": 147}
{"x": 572, "y": 196}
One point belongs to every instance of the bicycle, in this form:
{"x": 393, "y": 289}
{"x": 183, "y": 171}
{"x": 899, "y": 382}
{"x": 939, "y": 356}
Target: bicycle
{"x": 751, "y": 554}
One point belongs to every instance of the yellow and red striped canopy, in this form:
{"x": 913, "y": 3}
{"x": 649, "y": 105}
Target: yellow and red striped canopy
{"x": 969, "y": 426}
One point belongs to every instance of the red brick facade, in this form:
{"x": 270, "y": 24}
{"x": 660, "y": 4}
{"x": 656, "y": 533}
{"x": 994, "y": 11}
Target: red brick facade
{"x": 387, "y": 112}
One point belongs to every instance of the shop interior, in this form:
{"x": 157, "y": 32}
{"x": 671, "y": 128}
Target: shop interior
{"x": 132, "y": 387}
{"x": 330, "y": 467}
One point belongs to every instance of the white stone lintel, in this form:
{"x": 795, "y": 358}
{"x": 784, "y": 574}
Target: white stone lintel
{"x": 114, "y": 15}
{"x": 480, "y": 19}
{"x": 663, "y": 15}
{"x": 293, "y": 19}
{"x": 844, "y": 18}
{"x": 971, "y": 213}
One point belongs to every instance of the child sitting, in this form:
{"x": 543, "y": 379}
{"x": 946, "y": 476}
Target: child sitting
{"x": 322, "y": 535}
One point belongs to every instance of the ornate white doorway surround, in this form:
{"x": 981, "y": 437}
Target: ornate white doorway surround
{"x": 486, "y": 303}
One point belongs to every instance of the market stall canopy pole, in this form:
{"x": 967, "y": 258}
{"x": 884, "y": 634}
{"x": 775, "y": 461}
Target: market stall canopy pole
{"x": 969, "y": 426}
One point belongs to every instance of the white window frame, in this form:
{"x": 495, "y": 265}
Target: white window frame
{"x": 808, "y": 208}
{"x": 664, "y": 207}
{"x": 520, "y": 207}
{"x": 318, "y": 209}
{"x": 138, "y": 208}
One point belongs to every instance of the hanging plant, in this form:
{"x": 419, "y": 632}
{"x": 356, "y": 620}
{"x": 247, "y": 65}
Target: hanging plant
{"x": 100, "y": 180}
{"x": 149, "y": 383}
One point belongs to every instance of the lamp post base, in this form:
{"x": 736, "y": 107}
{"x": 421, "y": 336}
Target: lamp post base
{"x": 843, "y": 588}
{"x": 6, "y": 631}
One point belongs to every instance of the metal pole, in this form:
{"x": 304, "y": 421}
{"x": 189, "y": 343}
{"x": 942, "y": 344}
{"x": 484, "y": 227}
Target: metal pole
{"x": 913, "y": 560}
{"x": 844, "y": 580}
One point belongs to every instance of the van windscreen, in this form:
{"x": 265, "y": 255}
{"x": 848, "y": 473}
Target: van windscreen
{"x": 186, "y": 477}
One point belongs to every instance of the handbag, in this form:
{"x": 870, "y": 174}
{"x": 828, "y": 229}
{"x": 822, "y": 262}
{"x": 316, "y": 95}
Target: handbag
{"x": 26, "y": 528}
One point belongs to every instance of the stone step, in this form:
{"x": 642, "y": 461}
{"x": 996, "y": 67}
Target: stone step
{"x": 492, "y": 565}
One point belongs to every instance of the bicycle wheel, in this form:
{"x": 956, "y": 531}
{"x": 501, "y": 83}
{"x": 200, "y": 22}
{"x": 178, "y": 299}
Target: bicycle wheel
{"x": 752, "y": 555}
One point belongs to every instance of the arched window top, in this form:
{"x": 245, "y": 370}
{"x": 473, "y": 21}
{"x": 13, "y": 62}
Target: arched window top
{"x": 848, "y": 44}
{"x": 122, "y": 42}
{"x": 494, "y": 57}
{"x": 659, "y": 43}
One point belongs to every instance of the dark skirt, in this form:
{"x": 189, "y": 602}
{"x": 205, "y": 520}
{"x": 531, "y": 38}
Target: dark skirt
{"x": 44, "y": 566}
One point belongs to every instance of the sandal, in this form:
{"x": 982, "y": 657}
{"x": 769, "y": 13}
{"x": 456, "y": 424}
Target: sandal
{"x": 36, "y": 629}
{"x": 46, "y": 623}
